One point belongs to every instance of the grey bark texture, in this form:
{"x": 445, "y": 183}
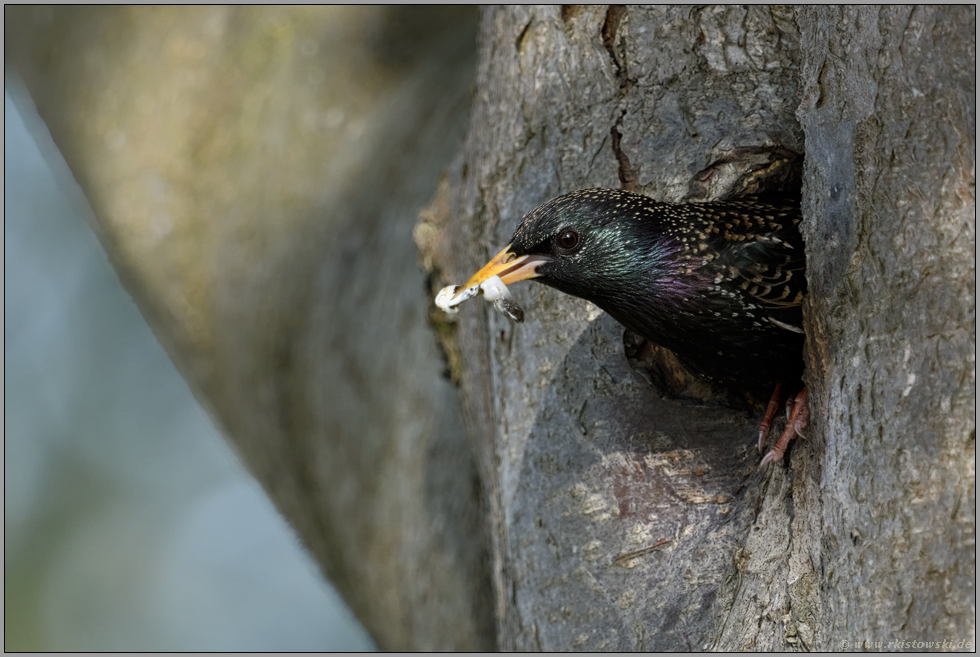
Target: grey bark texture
{"x": 890, "y": 119}
{"x": 257, "y": 197}
{"x": 623, "y": 520}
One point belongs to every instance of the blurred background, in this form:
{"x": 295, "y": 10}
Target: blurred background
{"x": 250, "y": 177}
{"x": 129, "y": 523}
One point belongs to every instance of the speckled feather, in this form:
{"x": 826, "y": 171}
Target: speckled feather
{"x": 720, "y": 284}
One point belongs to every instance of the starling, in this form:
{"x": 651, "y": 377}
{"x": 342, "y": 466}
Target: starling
{"x": 719, "y": 284}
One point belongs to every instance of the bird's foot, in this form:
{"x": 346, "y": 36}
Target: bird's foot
{"x": 798, "y": 419}
{"x": 771, "y": 409}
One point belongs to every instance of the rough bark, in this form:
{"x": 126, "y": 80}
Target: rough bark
{"x": 254, "y": 175}
{"x": 623, "y": 520}
{"x": 587, "y": 467}
{"x": 890, "y": 120}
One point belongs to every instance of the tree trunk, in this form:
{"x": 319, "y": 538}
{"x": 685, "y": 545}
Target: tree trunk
{"x": 623, "y": 520}
{"x": 890, "y": 119}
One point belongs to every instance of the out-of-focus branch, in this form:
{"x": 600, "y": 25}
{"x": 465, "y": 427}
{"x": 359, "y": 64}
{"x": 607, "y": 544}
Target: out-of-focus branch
{"x": 255, "y": 174}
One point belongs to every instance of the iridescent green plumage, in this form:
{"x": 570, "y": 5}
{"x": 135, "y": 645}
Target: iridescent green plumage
{"x": 719, "y": 284}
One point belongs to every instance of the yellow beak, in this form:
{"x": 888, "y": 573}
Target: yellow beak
{"x": 509, "y": 267}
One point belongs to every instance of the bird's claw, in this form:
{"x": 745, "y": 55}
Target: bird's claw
{"x": 771, "y": 457}
{"x": 797, "y": 421}
{"x": 767, "y": 419}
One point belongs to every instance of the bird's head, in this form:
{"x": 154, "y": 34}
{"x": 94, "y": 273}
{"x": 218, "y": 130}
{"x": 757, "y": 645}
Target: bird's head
{"x": 596, "y": 244}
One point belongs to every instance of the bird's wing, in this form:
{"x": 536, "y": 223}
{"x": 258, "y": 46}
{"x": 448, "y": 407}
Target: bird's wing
{"x": 763, "y": 251}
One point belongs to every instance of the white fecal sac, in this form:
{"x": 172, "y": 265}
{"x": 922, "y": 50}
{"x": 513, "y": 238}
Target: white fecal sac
{"x": 493, "y": 289}
{"x": 446, "y": 302}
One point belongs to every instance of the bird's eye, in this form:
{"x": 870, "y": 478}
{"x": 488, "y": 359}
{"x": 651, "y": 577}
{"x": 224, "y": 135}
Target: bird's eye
{"x": 568, "y": 239}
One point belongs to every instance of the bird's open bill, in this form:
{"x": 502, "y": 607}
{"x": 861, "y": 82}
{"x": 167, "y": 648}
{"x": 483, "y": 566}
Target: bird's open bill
{"x": 509, "y": 267}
